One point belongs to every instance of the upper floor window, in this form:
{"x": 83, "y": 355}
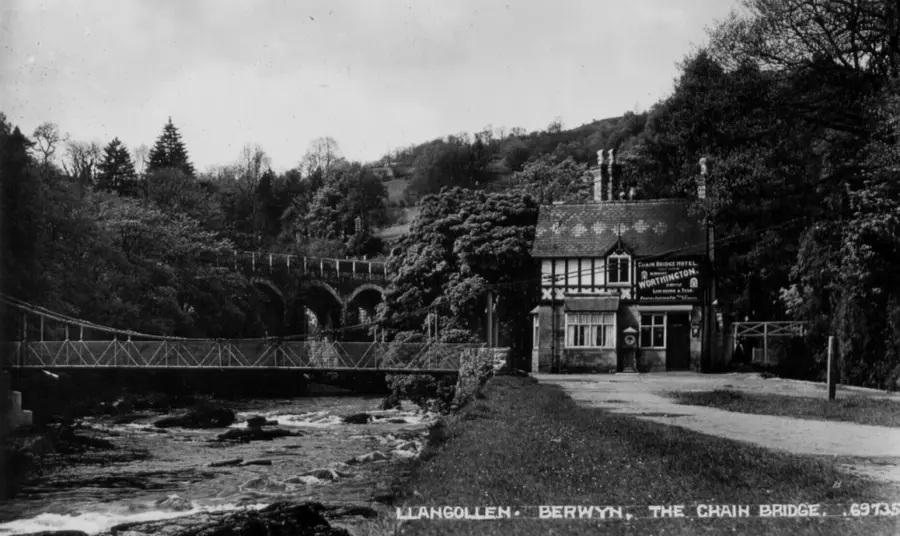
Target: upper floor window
{"x": 618, "y": 269}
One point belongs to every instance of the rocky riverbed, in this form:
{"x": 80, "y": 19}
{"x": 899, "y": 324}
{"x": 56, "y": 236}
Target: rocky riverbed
{"x": 144, "y": 474}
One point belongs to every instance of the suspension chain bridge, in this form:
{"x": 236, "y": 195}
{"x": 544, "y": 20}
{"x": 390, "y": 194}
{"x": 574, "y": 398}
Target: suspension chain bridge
{"x": 89, "y": 345}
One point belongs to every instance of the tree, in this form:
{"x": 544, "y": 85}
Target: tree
{"x": 322, "y": 154}
{"x": 348, "y": 194}
{"x": 47, "y": 139}
{"x": 857, "y": 35}
{"x": 486, "y": 135}
{"x": 21, "y": 209}
{"x": 175, "y": 193}
{"x": 451, "y": 163}
{"x": 461, "y": 243}
{"x": 515, "y": 154}
{"x": 82, "y": 159}
{"x": 550, "y": 179}
{"x": 266, "y": 211}
{"x": 140, "y": 156}
{"x": 116, "y": 170}
{"x": 555, "y": 127}
{"x": 845, "y": 281}
{"x": 165, "y": 279}
{"x": 169, "y": 152}
{"x": 253, "y": 163}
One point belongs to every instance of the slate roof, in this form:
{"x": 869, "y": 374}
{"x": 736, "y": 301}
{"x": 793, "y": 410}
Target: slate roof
{"x": 647, "y": 227}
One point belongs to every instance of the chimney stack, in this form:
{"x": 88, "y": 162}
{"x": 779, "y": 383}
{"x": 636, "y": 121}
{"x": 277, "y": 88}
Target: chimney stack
{"x": 613, "y": 179}
{"x": 600, "y": 179}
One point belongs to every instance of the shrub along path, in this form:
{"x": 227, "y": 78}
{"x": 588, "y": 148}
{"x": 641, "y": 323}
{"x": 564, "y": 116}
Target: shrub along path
{"x": 870, "y": 450}
{"x": 529, "y": 444}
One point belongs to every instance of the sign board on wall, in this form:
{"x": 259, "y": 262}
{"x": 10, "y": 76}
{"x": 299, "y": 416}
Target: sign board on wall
{"x": 669, "y": 280}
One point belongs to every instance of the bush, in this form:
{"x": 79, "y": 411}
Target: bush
{"x": 422, "y": 389}
{"x": 476, "y": 369}
{"x": 458, "y": 336}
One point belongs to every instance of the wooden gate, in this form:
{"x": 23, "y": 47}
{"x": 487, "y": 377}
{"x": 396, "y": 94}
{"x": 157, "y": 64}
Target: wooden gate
{"x": 768, "y": 332}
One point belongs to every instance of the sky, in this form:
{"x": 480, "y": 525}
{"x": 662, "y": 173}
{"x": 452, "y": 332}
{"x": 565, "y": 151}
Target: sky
{"x": 372, "y": 74}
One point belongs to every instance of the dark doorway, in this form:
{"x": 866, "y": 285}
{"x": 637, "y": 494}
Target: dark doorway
{"x": 678, "y": 341}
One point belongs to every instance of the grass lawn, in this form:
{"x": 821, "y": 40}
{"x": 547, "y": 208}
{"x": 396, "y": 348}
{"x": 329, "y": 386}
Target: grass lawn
{"x": 528, "y": 444}
{"x": 857, "y": 409}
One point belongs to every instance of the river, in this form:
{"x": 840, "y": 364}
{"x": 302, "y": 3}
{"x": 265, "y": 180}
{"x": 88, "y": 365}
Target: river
{"x": 131, "y": 483}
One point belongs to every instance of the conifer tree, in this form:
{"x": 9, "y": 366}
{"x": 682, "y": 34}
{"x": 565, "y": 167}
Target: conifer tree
{"x": 117, "y": 170}
{"x": 169, "y": 152}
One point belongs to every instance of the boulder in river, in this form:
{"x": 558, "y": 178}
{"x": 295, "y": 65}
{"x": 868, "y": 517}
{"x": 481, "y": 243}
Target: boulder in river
{"x": 323, "y": 474}
{"x": 202, "y": 417}
{"x": 257, "y": 462}
{"x": 245, "y": 435}
{"x": 367, "y": 458}
{"x": 391, "y": 402}
{"x": 256, "y": 421}
{"x": 57, "y": 533}
{"x": 174, "y": 502}
{"x": 358, "y": 418}
{"x": 226, "y": 463}
{"x": 264, "y": 484}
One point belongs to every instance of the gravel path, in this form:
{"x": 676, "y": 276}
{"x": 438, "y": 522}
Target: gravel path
{"x": 642, "y": 395}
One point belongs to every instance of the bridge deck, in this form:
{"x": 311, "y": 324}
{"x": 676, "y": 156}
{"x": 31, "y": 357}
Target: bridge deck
{"x": 240, "y": 354}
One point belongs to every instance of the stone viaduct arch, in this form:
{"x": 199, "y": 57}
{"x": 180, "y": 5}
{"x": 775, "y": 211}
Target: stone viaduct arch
{"x": 272, "y": 312}
{"x": 293, "y": 305}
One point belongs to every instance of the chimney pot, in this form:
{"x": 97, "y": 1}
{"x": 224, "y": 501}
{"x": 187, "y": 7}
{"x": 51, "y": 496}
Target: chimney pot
{"x": 601, "y": 179}
{"x": 597, "y": 175}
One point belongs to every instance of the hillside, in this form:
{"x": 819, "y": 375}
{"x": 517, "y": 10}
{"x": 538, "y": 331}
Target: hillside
{"x": 486, "y": 161}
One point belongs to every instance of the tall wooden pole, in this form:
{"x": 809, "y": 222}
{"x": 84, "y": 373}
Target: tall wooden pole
{"x": 490, "y": 318}
{"x": 832, "y": 372}
{"x": 4, "y": 422}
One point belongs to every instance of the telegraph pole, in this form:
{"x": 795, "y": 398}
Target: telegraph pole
{"x": 4, "y": 418}
{"x": 490, "y": 318}
{"x": 709, "y": 323}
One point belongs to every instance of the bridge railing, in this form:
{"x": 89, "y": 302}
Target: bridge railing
{"x": 323, "y": 266}
{"x": 240, "y": 354}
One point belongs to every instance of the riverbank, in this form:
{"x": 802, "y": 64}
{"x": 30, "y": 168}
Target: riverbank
{"x": 527, "y": 444}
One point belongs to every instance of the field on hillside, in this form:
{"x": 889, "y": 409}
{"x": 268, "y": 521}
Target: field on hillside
{"x": 395, "y": 189}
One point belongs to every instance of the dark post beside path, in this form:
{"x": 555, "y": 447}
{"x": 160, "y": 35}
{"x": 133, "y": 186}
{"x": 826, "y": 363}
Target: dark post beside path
{"x": 490, "y": 319}
{"x": 832, "y": 372}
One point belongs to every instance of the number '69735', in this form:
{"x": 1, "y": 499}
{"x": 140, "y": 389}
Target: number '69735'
{"x": 875, "y": 509}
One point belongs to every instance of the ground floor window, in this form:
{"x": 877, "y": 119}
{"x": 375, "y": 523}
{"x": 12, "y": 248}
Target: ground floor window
{"x": 536, "y": 331}
{"x": 590, "y": 330}
{"x": 653, "y": 330}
